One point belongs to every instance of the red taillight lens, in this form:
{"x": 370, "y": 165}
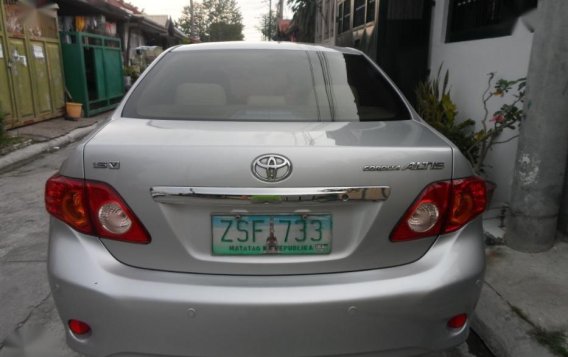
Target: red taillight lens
{"x": 469, "y": 198}
{"x": 93, "y": 208}
{"x": 417, "y": 222}
{"x": 65, "y": 198}
{"x": 111, "y": 216}
{"x": 442, "y": 207}
{"x": 79, "y": 327}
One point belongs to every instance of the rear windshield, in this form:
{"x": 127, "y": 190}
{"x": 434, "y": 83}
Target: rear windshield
{"x": 265, "y": 85}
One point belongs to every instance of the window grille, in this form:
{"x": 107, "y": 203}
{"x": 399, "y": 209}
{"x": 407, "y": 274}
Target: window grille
{"x": 359, "y": 13}
{"x": 346, "y": 15}
{"x": 371, "y": 10}
{"x": 478, "y": 19}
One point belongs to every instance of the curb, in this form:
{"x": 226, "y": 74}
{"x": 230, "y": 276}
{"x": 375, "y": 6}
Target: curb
{"x": 16, "y": 157}
{"x": 502, "y": 330}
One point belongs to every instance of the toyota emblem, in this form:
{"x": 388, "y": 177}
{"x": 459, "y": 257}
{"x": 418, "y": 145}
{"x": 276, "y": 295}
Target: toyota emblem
{"x": 271, "y": 167}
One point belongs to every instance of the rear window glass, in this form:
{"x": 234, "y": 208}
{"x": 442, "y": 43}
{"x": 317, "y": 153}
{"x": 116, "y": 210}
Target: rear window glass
{"x": 265, "y": 85}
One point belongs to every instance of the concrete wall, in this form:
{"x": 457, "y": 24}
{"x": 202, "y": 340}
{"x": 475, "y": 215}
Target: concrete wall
{"x": 468, "y": 63}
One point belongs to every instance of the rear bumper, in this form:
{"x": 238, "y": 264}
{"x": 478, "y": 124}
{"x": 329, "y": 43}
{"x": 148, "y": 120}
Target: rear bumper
{"x": 387, "y": 312}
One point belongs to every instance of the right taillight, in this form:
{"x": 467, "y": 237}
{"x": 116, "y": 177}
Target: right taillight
{"x": 442, "y": 207}
{"x": 93, "y": 208}
{"x": 468, "y": 200}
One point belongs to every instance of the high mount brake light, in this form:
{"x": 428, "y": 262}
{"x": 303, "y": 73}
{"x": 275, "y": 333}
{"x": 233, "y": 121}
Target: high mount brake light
{"x": 93, "y": 208}
{"x": 442, "y": 207}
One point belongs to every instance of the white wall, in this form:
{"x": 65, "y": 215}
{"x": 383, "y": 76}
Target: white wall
{"x": 468, "y": 63}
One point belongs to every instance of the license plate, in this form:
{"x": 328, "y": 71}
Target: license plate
{"x": 282, "y": 234}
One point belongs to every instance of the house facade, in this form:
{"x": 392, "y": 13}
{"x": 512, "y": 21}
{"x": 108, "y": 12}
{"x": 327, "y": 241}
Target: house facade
{"x": 104, "y": 41}
{"x": 31, "y": 77}
{"x": 411, "y": 39}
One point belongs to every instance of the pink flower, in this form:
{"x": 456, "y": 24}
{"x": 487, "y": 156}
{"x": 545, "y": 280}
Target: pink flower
{"x": 498, "y": 118}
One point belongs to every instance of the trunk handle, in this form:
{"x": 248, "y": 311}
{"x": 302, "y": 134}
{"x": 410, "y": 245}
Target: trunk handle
{"x": 182, "y": 195}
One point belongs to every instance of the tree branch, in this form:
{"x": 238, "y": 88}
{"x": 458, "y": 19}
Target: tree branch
{"x": 506, "y": 141}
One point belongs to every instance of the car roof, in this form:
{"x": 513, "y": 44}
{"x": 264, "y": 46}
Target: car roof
{"x": 272, "y": 45}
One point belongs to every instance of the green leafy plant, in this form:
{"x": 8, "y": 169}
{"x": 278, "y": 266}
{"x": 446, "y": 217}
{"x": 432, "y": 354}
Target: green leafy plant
{"x": 305, "y": 17}
{"x": 435, "y": 106}
{"x": 225, "y": 13}
{"x": 132, "y": 72}
{"x": 507, "y": 117}
{"x": 268, "y": 25}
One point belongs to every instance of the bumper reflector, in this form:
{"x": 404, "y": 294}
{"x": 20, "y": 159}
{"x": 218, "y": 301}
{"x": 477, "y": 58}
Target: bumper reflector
{"x": 79, "y": 327}
{"x": 457, "y": 321}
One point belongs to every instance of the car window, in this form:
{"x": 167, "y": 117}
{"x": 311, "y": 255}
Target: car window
{"x": 265, "y": 85}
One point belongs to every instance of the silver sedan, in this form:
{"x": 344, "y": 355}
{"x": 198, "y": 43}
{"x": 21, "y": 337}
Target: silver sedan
{"x": 265, "y": 200}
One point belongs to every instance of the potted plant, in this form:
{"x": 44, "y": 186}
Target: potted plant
{"x": 72, "y": 109}
{"x": 131, "y": 74}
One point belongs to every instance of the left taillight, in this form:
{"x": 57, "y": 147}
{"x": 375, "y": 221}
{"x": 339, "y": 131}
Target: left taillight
{"x": 442, "y": 207}
{"x": 93, "y": 208}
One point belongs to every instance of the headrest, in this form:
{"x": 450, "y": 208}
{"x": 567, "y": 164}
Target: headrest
{"x": 200, "y": 94}
{"x": 266, "y": 100}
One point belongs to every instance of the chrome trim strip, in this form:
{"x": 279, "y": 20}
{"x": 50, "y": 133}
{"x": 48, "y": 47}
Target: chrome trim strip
{"x": 181, "y": 195}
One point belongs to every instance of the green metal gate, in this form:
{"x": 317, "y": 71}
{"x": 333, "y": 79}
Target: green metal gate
{"x": 93, "y": 70}
{"x": 31, "y": 77}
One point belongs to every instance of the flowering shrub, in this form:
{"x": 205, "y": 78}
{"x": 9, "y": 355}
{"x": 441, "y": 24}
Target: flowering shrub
{"x": 507, "y": 117}
{"x": 435, "y": 105}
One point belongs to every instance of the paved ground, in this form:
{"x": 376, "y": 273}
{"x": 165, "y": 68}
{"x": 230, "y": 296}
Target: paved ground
{"x": 50, "y": 129}
{"x": 523, "y": 310}
{"x": 25, "y": 301}
{"x": 30, "y": 326}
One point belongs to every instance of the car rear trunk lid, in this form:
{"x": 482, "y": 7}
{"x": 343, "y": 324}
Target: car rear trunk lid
{"x": 178, "y": 175}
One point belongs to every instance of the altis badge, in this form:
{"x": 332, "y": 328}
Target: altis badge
{"x": 416, "y": 166}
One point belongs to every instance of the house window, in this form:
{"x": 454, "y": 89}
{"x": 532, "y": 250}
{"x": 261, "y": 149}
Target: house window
{"x": 330, "y": 18}
{"x": 340, "y": 18}
{"x": 478, "y": 19}
{"x": 325, "y": 18}
{"x": 346, "y": 15}
{"x": 371, "y": 10}
{"x": 359, "y": 13}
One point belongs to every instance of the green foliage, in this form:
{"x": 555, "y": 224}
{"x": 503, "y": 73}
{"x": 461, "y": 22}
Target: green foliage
{"x": 555, "y": 341}
{"x": 435, "y": 106}
{"x": 305, "y": 18}
{"x": 132, "y": 72}
{"x": 221, "y": 31}
{"x": 509, "y": 116}
{"x": 213, "y": 13}
{"x": 268, "y": 25}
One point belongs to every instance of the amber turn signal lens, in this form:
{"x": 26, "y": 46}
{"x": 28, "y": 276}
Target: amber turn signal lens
{"x": 65, "y": 198}
{"x": 93, "y": 208}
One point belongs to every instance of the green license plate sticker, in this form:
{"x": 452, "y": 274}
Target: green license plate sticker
{"x": 285, "y": 234}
